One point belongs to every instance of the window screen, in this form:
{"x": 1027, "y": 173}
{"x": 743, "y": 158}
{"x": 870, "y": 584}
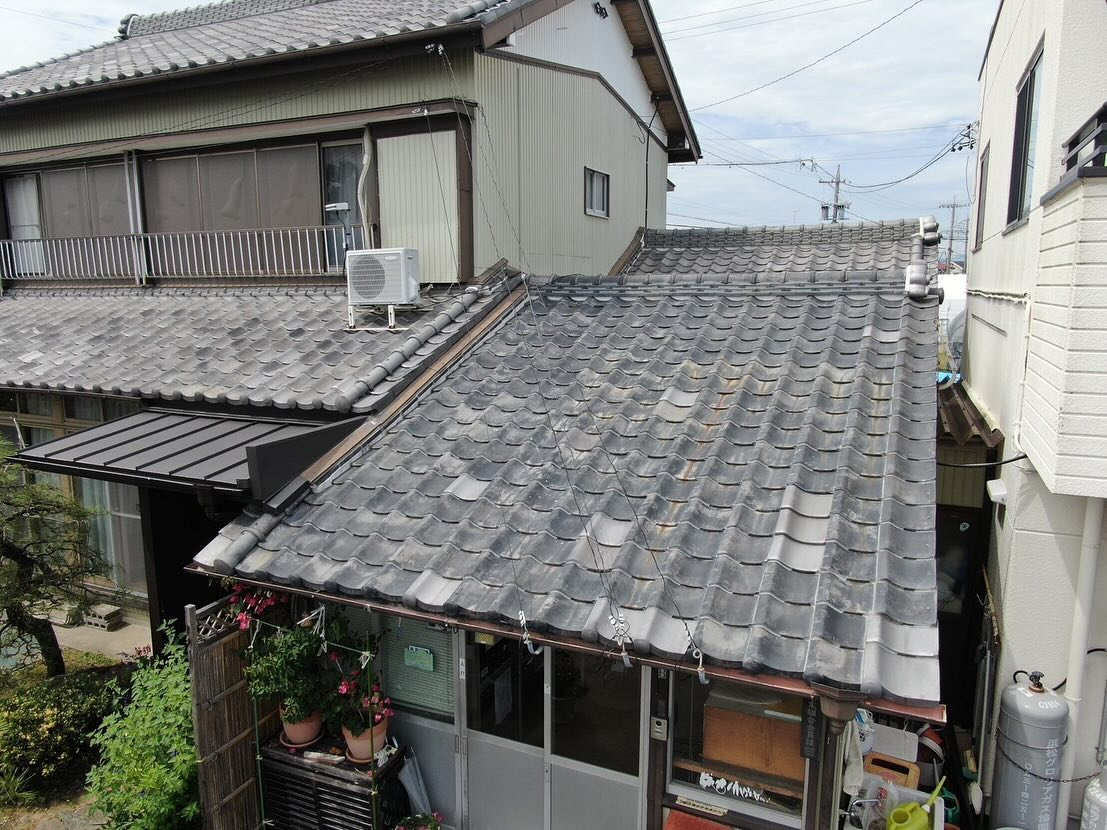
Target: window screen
{"x": 596, "y": 193}
{"x": 228, "y": 191}
{"x": 417, "y": 662}
{"x": 107, "y": 196}
{"x": 65, "y": 202}
{"x": 171, "y": 189}
{"x": 288, "y": 187}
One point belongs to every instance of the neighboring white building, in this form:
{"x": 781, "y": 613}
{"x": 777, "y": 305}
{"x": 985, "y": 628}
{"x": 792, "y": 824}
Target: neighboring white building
{"x": 1036, "y": 345}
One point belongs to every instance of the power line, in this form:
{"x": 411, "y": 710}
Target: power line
{"x": 717, "y": 11}
{"x": 54, "y": 19}
{"x": 812, "y": 63}
{"x": 764, "y": 22}
{"x": 745, "y": 17}
{"x": 845, "y": 132}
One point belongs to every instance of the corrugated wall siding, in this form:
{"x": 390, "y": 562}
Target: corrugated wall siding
{"x": 418, "y": 188}
{"x": 537, "y": 130}
{"x": 372, "y": 85}
{"x": 961, "y": 487}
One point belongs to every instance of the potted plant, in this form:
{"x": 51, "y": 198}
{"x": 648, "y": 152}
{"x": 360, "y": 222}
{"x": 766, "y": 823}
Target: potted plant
{"x": 285, "y": 667}
{"x": 358, "y": 706}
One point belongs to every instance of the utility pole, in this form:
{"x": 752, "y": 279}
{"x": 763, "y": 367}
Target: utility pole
{"x": 952, "y": 227}
{"x": 837, "y": 211}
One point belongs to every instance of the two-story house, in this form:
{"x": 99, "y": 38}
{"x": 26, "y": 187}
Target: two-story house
{"x": 1035, "y": 353}
{"x": 176, "y": 204}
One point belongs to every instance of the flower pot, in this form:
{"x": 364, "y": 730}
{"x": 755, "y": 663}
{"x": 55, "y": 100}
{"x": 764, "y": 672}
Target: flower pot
{"x": 303, "y": 732}
{"x": 362, "y": 747}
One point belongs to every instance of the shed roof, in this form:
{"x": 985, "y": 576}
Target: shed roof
{"x": 265, "y": 347}
{"x": 753, "y": 460}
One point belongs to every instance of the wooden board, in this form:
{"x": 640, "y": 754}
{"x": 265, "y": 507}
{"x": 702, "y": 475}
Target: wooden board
{"x": 753, "y": 742}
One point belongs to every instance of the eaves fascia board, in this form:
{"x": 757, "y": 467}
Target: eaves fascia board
{"x": 184, "y": 76}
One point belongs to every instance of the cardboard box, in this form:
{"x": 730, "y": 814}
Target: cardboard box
{"x": 764, "y": 737}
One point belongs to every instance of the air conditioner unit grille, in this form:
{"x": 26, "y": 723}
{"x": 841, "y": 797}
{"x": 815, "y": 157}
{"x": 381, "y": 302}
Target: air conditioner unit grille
{"x": 367, "y": 276}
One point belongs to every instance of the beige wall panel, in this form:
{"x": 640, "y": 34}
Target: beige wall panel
{"x": 418, "y": 191}
{"x": 83, "y": 119}
{"x": 538, "y": 129}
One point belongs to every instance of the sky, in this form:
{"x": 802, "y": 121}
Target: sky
{"x": 892, "y": 100}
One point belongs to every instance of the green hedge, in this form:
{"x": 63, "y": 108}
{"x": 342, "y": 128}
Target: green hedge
{"x": 45, "y": 728}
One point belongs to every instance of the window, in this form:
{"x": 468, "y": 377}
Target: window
{"x": 596, "y": 711}
{"x": 417, "y": 661}
{"x": 739, "y": 747}
{"x": 1026, "y": 134}
{"x": 981, "y": 196}
{"x": 505, "y": 688}
{"x": 597, "y": 190}
{"x": 116, "y": 529}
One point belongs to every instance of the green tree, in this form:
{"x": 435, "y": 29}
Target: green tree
{"x": 45, "y": 560}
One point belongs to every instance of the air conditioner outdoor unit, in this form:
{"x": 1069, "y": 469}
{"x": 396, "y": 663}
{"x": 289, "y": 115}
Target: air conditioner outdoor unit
{"x": 382, "y": 276}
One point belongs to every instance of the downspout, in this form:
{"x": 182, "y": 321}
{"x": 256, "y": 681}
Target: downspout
{"x": 362, "y": 196}
{"x": 1078, "y": 645}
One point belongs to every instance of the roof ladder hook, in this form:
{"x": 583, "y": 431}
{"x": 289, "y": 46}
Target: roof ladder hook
{"x": 531, "y": 647}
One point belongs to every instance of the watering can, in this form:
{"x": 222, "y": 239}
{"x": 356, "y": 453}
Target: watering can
{"x": 914, "y": 816}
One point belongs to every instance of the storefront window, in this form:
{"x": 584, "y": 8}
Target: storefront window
{"x": 739, "y": 744}
{"x": 504, "y": 688}
{"x": 596, "y": 711}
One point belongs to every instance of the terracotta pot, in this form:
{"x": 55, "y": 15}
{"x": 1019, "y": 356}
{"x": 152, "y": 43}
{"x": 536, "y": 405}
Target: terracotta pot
{"x": 302, "y": 732}
{"x": 361, "y": 747}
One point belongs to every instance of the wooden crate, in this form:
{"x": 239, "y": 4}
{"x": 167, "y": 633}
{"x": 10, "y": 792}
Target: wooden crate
{"x": 744, "y": 738}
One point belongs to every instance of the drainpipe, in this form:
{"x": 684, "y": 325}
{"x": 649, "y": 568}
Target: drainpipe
{"x": 1078, "y": 644}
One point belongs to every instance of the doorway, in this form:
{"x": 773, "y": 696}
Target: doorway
{"x": 551, "y": 741}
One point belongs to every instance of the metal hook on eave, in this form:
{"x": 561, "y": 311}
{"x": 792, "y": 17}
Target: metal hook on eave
{"x": 698, "y": 656}
{"x": 527, "y": 641}
{"x": 621, "y": 630}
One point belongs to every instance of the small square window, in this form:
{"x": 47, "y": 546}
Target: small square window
{"x": 597, "y": 191}
{"x": 36, "y": 404}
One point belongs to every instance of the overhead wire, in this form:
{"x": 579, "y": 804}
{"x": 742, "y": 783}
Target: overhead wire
{"x": 806, "y": 66}
{"x": 668, "y": 32}
{"x": 766, "y": 22}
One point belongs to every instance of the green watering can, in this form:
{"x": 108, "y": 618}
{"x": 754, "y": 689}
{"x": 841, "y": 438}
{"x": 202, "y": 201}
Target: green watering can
{"x": 914, "y": 816}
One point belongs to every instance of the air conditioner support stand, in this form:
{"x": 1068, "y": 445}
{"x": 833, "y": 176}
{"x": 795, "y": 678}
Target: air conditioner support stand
{"x": 391, "y": 319}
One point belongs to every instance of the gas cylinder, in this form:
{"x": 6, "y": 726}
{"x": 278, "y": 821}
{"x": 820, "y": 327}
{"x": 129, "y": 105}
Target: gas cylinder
{"x": 1030, "y": 737}
{"x": 1094, "y": 814}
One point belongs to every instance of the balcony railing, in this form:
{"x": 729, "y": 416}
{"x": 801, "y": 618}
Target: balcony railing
{"x": 272, "y": 252}
{"x": 1088, "y": 146}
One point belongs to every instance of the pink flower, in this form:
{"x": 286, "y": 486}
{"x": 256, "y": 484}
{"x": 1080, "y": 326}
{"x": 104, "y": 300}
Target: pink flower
{"x": 344, "y": 688}
{"x": 243, "y": 620}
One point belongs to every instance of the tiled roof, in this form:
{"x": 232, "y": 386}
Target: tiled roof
{"x": 960, "y": 420}
{"x": 845, "y": 247}
{"x": 282, "y": 347}
{"x": 234, "y": 31}
{"x": 769, "y": 450}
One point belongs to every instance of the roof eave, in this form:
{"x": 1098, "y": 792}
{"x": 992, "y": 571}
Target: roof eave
{"x": 455, "y": 30}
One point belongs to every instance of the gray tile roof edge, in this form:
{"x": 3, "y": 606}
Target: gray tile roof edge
{"x": 478, "y": 12}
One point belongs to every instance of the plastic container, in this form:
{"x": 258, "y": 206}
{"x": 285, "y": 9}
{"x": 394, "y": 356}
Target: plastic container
{"x": 904, "y": 795}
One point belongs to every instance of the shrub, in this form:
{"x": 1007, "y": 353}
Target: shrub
{"x": 146, "y": 778}
{"x": 45, "y": 727}
{"x": 285, "y": 667}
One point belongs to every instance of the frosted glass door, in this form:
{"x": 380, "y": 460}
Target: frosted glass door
{"x": 25, "y": 222}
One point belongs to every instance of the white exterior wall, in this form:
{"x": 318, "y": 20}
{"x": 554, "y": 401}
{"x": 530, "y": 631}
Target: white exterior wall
{"x": 575, "y": 35}
{"x": 538, "y": 129}
{"x": 1036, "y": 344}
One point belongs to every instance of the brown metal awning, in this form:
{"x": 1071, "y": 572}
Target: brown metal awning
{"x": 179, "y": 449}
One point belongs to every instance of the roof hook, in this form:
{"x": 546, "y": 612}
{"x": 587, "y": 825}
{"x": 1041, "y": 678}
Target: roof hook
{"x": 622, "y": 634}
{"x": 698, "y": 656}
{"x": 531, "y": 647}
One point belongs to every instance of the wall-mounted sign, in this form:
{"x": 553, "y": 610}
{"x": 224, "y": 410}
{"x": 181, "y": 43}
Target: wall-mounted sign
{"x": 484, "y": 638}
{"x": 720, "y": 785}
{"x": 418, "y": 657}
{"x": 810, "y": 746}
